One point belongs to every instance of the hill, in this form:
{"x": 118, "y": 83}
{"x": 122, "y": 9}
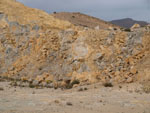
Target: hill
{"x": 128, "y": 22}
{"x": 80, "y": 19}
{"x": 40, "y": 50}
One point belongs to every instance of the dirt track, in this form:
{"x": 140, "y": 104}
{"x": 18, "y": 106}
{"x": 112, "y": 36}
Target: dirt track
{"x": 95, "y": 99}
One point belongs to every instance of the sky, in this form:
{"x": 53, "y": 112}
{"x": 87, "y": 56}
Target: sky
{"x": 104, "y": 9}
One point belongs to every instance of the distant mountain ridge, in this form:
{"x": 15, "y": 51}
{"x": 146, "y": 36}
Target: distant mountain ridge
{"x": 128, "y": 22}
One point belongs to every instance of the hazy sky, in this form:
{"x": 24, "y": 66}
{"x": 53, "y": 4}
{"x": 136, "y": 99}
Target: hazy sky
{"x": 104, "y": 9}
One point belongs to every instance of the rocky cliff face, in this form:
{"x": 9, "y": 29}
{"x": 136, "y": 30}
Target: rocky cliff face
{"x": 40, "y": 49}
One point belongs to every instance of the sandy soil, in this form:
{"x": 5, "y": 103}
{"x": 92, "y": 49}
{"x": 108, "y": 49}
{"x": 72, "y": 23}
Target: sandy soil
{"x": 85, "y": 99}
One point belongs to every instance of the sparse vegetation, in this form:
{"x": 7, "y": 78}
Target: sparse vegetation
{"x": 75, "y": 82}
{"x": 108, "y": 84}
{"x": 95, "y": 66}
{"x": 13, "y": 83}
{"x": 127, "y": 30}
{"x": 146, "y": 87}
{"x": 32, "y": 86}
{"x": 71, "y": 84}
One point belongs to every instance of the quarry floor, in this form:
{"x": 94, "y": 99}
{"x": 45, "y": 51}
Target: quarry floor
{"x": 95, "y": 98}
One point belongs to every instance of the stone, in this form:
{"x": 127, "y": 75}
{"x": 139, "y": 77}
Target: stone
{"x": 14, "y": 83}
{"x": 35, "y": 83}
{"x": 69, "y": 103}
{"x": 110, "y": 28}
{"x": 51, "y": 85}
{"x": 108, "y": 84}
{"x": 85, "y": 88}
{"x": 117, "y": 73}
{"x": 57, "y": 101}
{"x": 135, "y": 26}
{"x": 133, "y": 70}
{"x": 1, "y": 15}
{"x": 30, "y": 80}
{"x": 36, "y": 28}
{"x": 97, "y": 28}
{"x": 33, "y": 92}
{"x": 129, "y": 80}
{"x": 24, "y": 79}
{"x": 39, "y": 78}
{"x": 81, "y": 89}
{"x": 100, "y": 101}
{"x": 98, "y": 56}
{"x": 1, "y": 89}
{"x": 49, "y": 79}
{"x": 44, "y": 84}
{"x": 24, "y": 84}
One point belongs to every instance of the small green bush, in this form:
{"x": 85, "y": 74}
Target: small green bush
{"x": 127, "y": 30}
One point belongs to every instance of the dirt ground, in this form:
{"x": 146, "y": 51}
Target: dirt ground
{"x": 84, "y": 99}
